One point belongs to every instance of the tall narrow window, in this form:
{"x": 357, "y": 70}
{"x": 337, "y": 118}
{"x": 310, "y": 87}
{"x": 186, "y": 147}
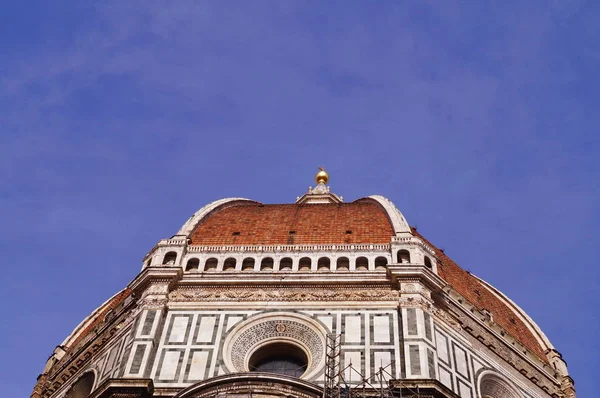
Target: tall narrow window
{"x": 380, "y": 263}
{"x": 343, "y": 264}
{"x": 403, "y": 256}
{"x": 170, "y": 258}
{"x": 323, "y": 264}
{"x": 285, "y": 264}
{"x": 266, "y": 264}
{"x": 229, "y": 264}
{"x": 427, "y": 262}
{"x": 248, "y": 264}
{"x": 211, "y": 264}
{"x": 192, "y": 264}
{"x": 304, "y": 264}
{"x": 362, "y": 264}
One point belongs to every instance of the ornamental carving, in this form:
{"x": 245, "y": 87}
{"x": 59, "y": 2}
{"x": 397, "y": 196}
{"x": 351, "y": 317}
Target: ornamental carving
{"x": 282, "y": 295}
{"x": 275, "y": 327}
{"x": 279, "y": 329}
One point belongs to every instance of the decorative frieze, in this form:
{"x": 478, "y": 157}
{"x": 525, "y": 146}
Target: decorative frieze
{"x": 285, "y": 294}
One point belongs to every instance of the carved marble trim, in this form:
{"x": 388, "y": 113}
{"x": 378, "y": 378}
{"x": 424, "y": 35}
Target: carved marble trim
{"x": 282, "y": 294}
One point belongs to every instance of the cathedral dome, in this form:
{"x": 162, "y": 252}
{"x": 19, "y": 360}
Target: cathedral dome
{"x": 249, "y": 295}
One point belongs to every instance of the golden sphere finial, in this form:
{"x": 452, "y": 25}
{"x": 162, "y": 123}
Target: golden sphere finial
{"x": 322, "y": 176}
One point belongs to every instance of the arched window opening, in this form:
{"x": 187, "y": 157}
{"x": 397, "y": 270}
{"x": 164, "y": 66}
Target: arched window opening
{"x": 229, "y": 264}
{"x": 170, "y": 258}
{"x": 192, "y": 265}
{"x": 82, "y": 387}
{"x": 323, "y": 264}
{"x": 248, "y": 264}
{"x": 211, "y": 264}
{"x": 492, "y": 386}
{"x": 380, "y": 263}
{"x": 149, "y": 262}
{"x": 266, "y": 264}
{"x": 343, "y": 264}
{"x": 362, "y": 264}
{"x": 304, "y": 264}
{"x": 282, "y": 358}
{"x": 285, "y": 264}
{"x": 403, "y": 257}
{"x": 427, "y": 262}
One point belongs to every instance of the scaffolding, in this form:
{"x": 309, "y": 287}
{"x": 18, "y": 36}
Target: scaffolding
{"x": 348, "y": 382}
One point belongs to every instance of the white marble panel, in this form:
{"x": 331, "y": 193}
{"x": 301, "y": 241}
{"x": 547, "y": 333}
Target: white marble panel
{"x": 232, "y": 321}
{"x": 464, "y": 391}
{"x": 198, "y": 365}
{"x": 353, "y": 358}
{"x": 180, "y": 324}
{"x": 382, "y": 360}
{"x": 169, "y": 365}
{"x": 206, "y": 329}
{"x": 441, "y": 345}
{"x": 352, "y": 329}
{"x": 445, "y": 377}
{"x": 381, "y": 329}
{"x": 461, "y": 361}
{"x": 327, "y": 321}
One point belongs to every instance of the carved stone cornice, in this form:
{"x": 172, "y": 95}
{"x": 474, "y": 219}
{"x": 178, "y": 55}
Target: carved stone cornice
{"x": 535, "y": 370}
{"x": 124, "y": 388}
{"x": 252, "y": 383}
{"x": 285, "y": 294}
{"x": 159, "y": 275}
{"x": 415, "y": 273}
{"x": 421, "y": 388}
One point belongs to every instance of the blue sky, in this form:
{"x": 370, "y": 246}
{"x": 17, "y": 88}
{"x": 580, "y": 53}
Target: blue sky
{"x": 479, "y": 120}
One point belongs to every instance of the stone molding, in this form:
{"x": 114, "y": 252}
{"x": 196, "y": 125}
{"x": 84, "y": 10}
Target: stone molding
{"x": 281, "y": 294}
{"x": 258, "y": 383}
{"x": 124, "y": 388}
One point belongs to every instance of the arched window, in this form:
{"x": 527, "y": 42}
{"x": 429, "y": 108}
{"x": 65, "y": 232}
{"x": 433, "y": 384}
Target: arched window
{"x": 211, "y": 264}
{"x": 229, "y": 264}
{"x": 266, "y": 264}
{"x": 192, "y": 264}
{"x": 283, "y": 358}
{"x": 380, "y": 263}
{"x": 492, "y": 386}
{"x": 170, "y": 258}
{"x": 304, "y": 264}
{"x": 285, "y": 264}
{"x": 323, "y": 264}
{"x": 149, "y": 262}
{"x": 403, "y": 256}
{"x": 248, "y": 264}
{"x": 343, "y": 264}
{"x": 362, "y": 264}
{"x": 82, "y": 387}
{"x": 427, "y": 262}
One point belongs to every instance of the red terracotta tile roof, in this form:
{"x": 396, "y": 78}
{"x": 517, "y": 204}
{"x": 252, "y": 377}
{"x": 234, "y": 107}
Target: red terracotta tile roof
{"x": 477, "y": 294}
{"x": 256, "y": 224}
{"x": 99, "y": 317}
